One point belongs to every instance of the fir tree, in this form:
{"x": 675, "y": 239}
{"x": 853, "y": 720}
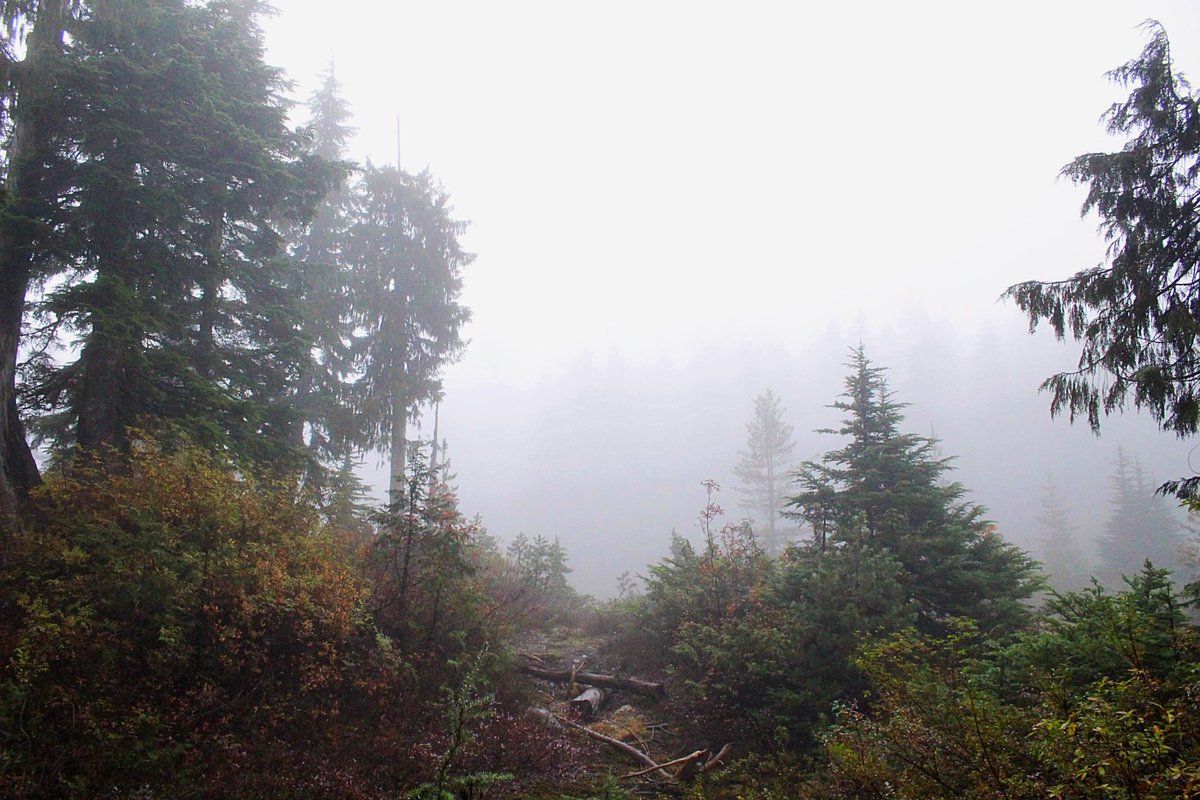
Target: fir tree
{"x": 182, "y": 172}
{"x": 1135, "y": 316}
{"x": 347, "y": 505}
{"x": 30, "y": 114}
{"x": 1140, "y": 527}
{"x": 329, "y": 118}
{"x": 763, "y": 466}
{"x": 1063, "y": 562}
{"x": 405, "y": 250}
{"x": 324, "y": 426}
{"x": 885, "y": 491}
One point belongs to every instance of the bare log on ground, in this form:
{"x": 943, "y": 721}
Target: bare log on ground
{"x": 550, "y": 719}
{"x": 644, "y": 688}
{"x": 588, "y": 702}
{"x": 693, "y": 768}
{"x": 671, "y": 763}
{"x": 718, "y": 758}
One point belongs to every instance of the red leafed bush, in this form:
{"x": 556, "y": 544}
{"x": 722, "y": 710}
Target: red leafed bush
{"x": 166, "y": 623}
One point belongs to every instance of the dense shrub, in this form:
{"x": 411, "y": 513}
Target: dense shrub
{"x": 158, "y": 613}
{"x": 759, "y": 649}
{"x": 170, "y": 627}
{"x": 1099, "y": 703}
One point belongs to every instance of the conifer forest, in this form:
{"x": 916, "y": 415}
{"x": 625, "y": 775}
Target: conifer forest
{"x": 250, "y": 547}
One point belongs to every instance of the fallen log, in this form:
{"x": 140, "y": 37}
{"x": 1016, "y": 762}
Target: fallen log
{"x": 644, "y": 688}
{"x": 550, "y": 719}
{"x": 629, "y": 750}
{"x": 588, "y": 702}
{"x": 718, "y": 758}
{"x": 671, "y": 763}
{"x": 703, "y": 763}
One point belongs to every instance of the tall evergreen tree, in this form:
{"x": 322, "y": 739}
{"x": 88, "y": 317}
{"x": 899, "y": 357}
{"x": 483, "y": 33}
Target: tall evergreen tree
{"x": 329, "y": 118}
{"x": 404, "y": 245}
{"x": 324, "y": 425}
{"x": 29, "y": 118}
{"x": 1140, "y": 528}
{"x": 346, "y": 500}
{"x": 1135, "y": 316}
{"x": 542, "y": 565}
{"x": 1062, "y": 560}
{"x": 884, "y": 491}
{"x": 183, "y": 170}
{"x": 763, "y": 466}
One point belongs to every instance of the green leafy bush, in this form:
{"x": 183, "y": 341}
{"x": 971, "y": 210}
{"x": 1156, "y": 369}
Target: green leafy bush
{"x": 1098, "y": 703}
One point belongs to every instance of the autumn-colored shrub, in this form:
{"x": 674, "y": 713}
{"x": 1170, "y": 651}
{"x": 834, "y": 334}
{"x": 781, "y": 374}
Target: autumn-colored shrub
{"x": 166, "y": 622}
{"x": 172, "y": 627}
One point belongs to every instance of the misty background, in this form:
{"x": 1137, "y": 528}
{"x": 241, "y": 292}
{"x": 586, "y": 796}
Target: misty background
{"x": 677, "y": 206}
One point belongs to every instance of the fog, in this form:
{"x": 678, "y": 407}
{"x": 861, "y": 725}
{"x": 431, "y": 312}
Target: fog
{"x": 676, "y": 206}
{"x": 608, "y": 453}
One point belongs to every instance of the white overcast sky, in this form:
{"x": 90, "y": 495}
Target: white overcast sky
{"x": 645, "y": 178}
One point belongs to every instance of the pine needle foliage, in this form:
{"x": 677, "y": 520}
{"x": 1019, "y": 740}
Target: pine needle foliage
{"x": 1136, "y": 316}
{"x": 886, "y": 491}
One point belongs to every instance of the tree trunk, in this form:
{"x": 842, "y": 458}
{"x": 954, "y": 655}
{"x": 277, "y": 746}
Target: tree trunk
{"x": 110, "y": 393}
{"x": 397, "y": 334}
{"x": 433, "y": 450}
{"x": 399, "y": 445}
{"x": 101, "y": 422}
{"x": 210, "y": 293}
{"x": 26, "y": 157}
{"x": 588, "y": 702}
{"x": 18, "y": 470}
{"x": 773, "y": 506}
